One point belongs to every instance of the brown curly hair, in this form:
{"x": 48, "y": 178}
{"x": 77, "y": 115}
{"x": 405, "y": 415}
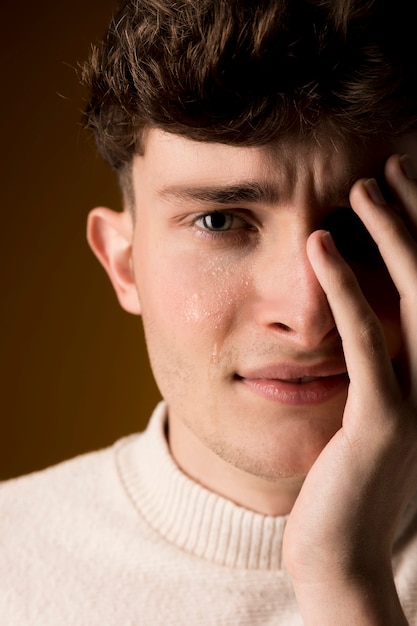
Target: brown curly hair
{"x": 246, "y": 73}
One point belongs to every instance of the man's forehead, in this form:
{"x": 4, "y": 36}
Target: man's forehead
{"x": 328, "y": 164}
{"x": 293, "y": 153}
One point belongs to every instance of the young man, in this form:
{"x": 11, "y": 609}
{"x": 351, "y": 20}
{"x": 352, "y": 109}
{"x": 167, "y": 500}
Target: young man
{"x": 276, "y": 483}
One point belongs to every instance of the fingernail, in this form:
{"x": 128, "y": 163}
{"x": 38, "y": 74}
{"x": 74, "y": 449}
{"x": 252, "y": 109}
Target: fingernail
{"x": 374, "y": 191}
{"x": 407, "y": 167}
{"x": 328, "y": 243}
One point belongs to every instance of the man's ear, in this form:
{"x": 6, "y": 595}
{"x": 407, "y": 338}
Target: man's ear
{"x": 109, "y": 234}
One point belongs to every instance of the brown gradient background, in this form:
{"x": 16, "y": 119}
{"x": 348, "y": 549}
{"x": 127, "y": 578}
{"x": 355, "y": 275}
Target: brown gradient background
{"x": 74, "y": 375}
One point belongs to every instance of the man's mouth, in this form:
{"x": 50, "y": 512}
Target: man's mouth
{"x": 303, "y": 379}
{"x": 293, "y": 373}
{"x": 288, "y": 384}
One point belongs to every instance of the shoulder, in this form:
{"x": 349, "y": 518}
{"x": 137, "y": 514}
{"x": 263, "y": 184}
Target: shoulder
{"x": 64, "y": 532}
{"x": 80, "y": 475}
{"x": 44, "y": 503}
{"x": 71, "y": 498}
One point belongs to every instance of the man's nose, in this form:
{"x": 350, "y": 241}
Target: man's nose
{"x": 289, "y": 300}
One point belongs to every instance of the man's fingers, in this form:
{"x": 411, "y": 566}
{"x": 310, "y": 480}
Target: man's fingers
{"x": 387, "y": 228}
{"x": 393, "y": 232}
{"x": 366, "y": 353}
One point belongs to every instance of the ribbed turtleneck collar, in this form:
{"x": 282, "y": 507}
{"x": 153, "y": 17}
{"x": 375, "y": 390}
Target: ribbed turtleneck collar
{"x": 190, "y": 516}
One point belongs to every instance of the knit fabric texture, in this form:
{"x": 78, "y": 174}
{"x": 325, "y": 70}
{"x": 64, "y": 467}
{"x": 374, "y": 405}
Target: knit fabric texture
{"x": 121, "y": 537}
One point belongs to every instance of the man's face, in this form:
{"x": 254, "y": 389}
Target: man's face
{"x": 240, "y": 335}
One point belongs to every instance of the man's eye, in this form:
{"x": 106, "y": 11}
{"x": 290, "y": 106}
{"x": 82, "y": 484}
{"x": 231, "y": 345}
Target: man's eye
{"x": 218, "y": 221}
{"x": 352, "y": 239}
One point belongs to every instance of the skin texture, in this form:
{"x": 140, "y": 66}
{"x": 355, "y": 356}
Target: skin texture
{"x": 268, "y": 292}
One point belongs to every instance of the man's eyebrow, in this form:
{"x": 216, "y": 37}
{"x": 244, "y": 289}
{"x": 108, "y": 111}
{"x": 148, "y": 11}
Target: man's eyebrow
{"x": 255, "y": 192}
{"x": 247, "y": 192}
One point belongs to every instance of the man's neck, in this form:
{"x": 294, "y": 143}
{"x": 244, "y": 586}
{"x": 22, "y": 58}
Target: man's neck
{"x": 199, "y": 462}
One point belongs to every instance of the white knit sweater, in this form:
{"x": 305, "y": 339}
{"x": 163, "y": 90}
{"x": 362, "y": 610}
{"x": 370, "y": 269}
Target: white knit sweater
{"x": 121, "y": 537}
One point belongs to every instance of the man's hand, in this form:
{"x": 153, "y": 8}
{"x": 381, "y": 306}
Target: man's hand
{"x": 339, "y": 536}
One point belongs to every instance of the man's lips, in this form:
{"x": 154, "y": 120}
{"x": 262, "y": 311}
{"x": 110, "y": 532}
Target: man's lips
{"x": 294, "y": 373}
{"x": 296, "y": 384}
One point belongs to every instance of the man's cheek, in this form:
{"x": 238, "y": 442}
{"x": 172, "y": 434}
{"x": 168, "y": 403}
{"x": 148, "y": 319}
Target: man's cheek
{"x": 206, "y": 297}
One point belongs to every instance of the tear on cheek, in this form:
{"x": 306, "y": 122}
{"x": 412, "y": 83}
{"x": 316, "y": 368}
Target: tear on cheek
{"x": 195, "y": 308}
{"x": 213, "y": 308}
